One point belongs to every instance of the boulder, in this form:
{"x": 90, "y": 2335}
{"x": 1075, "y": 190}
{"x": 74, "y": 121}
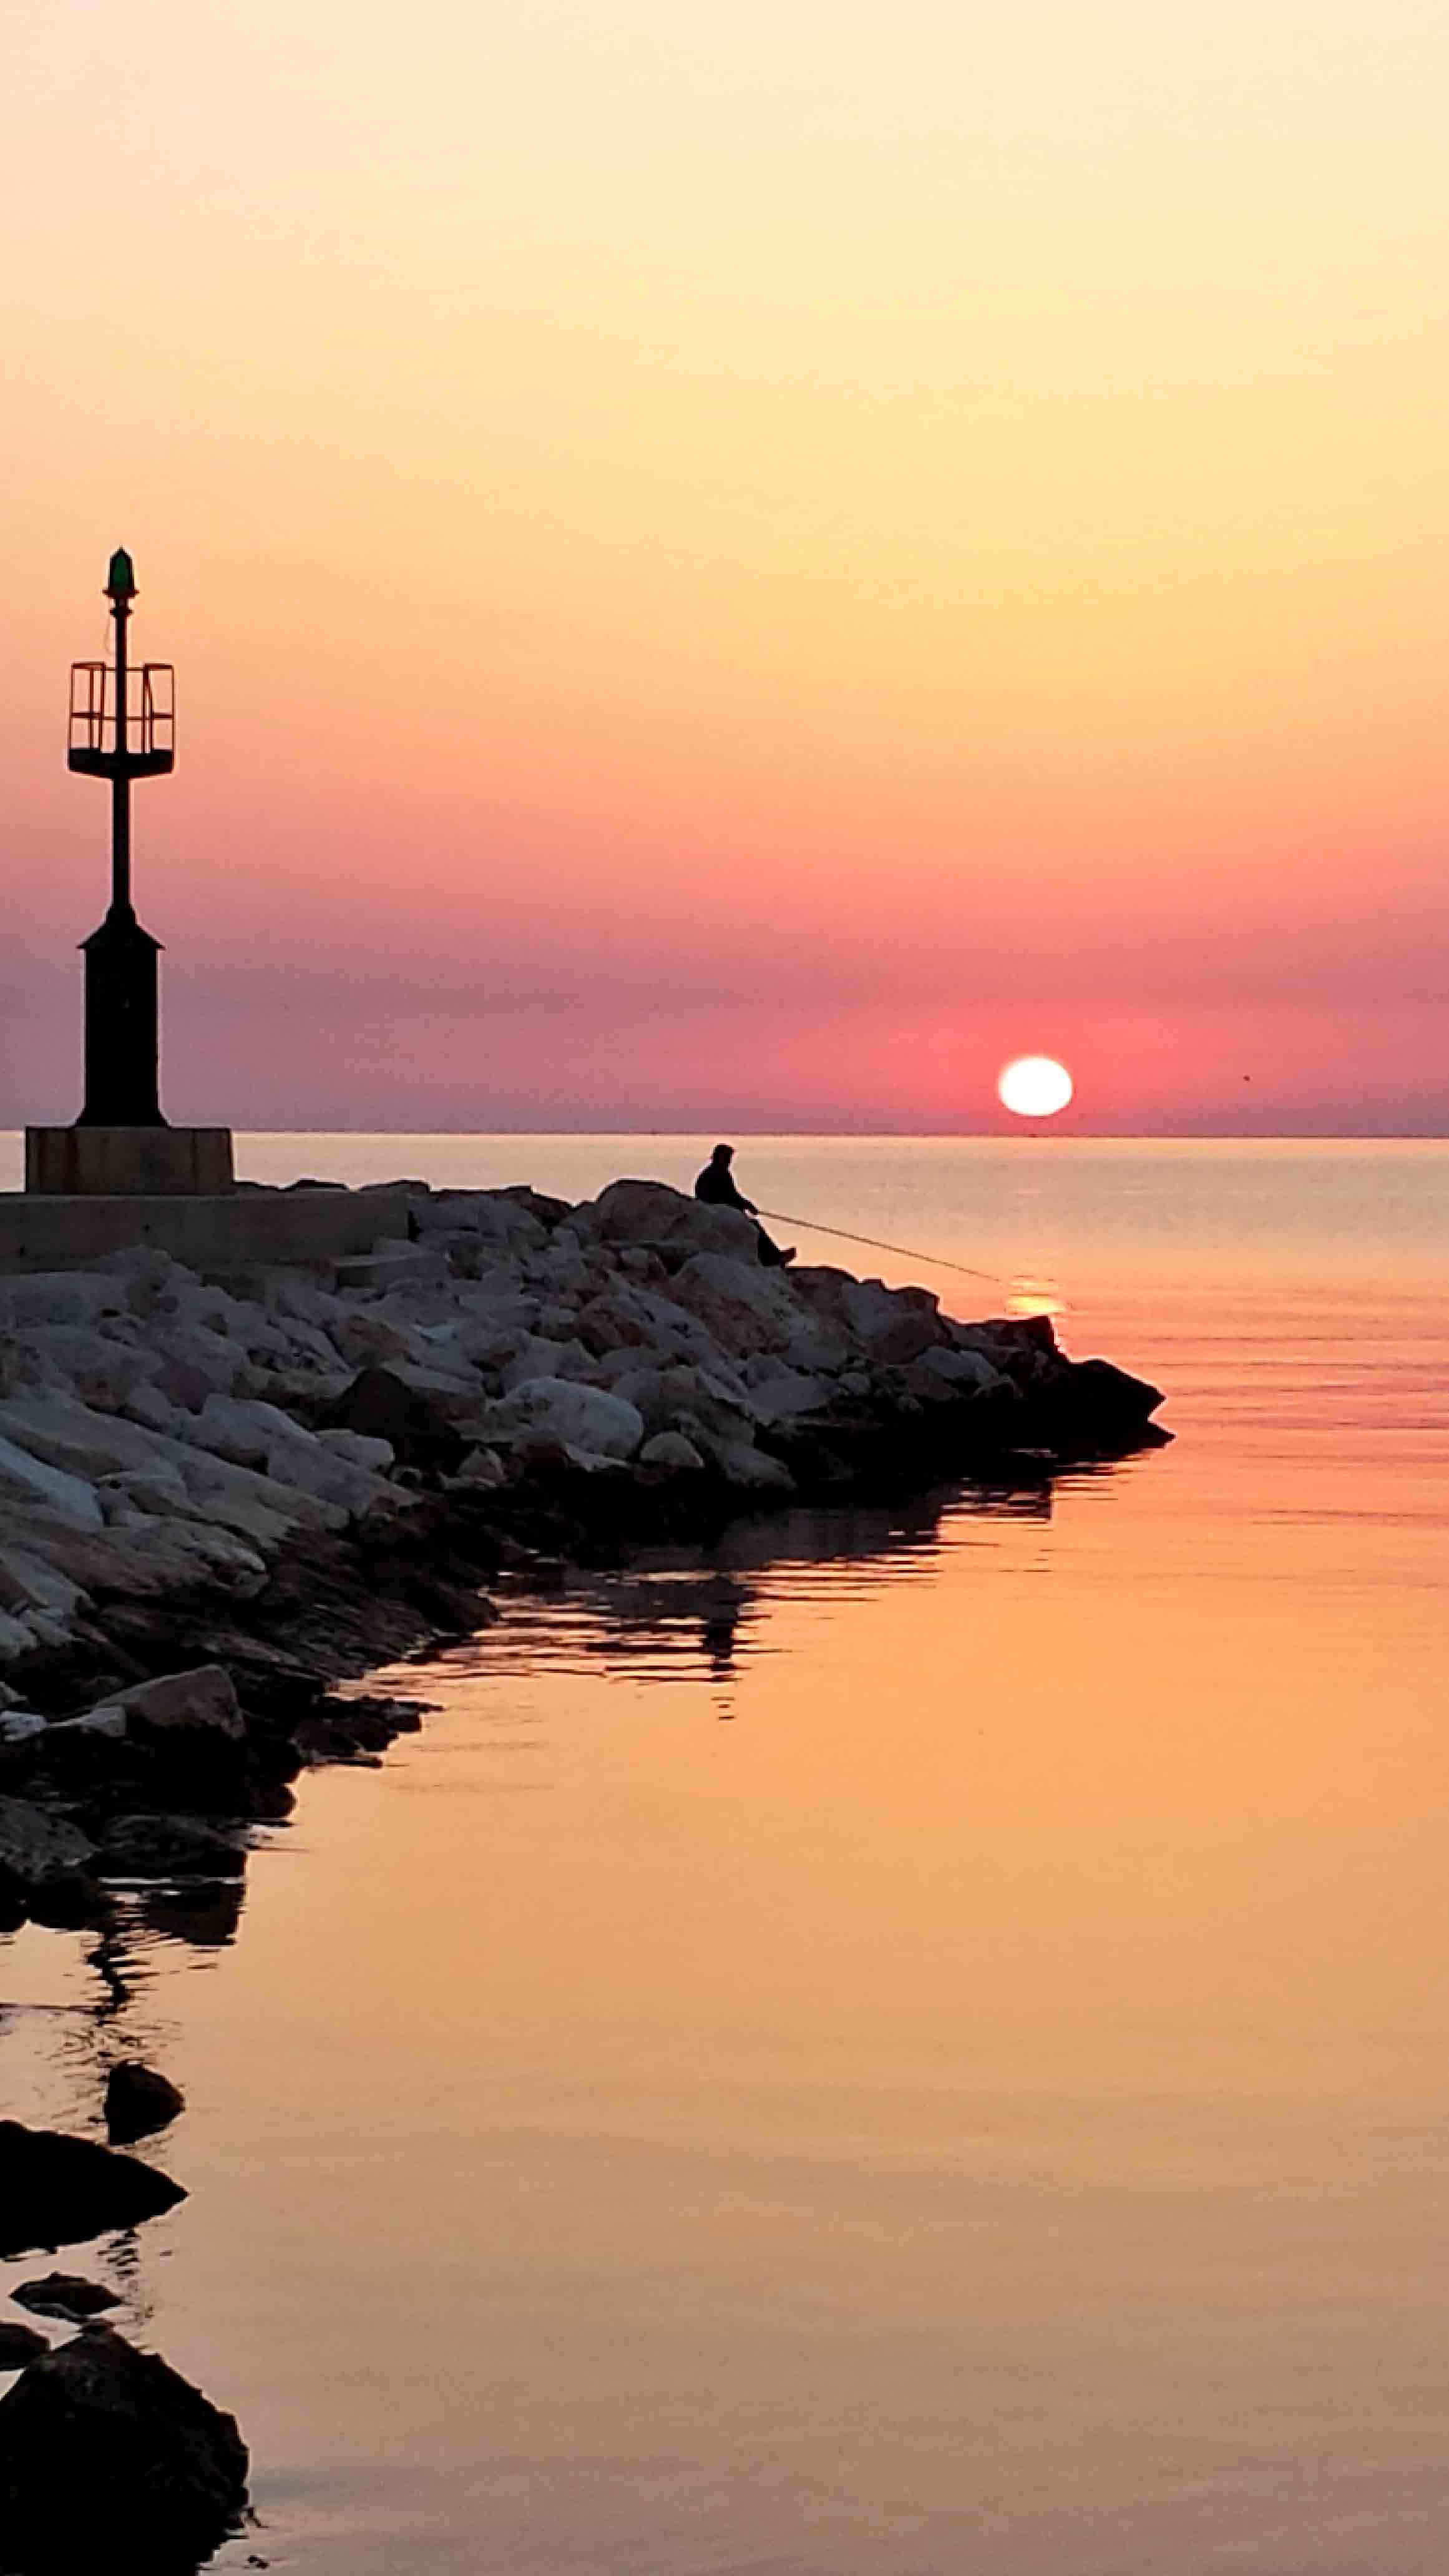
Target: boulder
{"x": 1090, "y": 1406}
{"x": 750, "y": 1470}
{"x": 139, "y": 2102}
{"x": 109, "y": 2458}
{"x": 966, "y": 1369}
{"x": 29, "y": 1479}
{"x": 481, "y": 1467}
{"x": 671, "y": 1450}
{"x": 63, "y": 1297}
{"x": 65, "y": 2294}
{"x": 19, "y": 2345}
{"x": 581, "y": 1417}
{"x": 36, "y": 1846}
{"x": 379, "y": 1405}
{"x": 745, "y": 1307}
{"x": 58, "y": 2191}
{"x": 198, "y": 1705}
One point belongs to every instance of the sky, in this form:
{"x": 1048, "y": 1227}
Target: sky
{"x": 738, "y": 568}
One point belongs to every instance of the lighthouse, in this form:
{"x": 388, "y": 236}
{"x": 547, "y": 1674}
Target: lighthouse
{"x": 122, "y": 729}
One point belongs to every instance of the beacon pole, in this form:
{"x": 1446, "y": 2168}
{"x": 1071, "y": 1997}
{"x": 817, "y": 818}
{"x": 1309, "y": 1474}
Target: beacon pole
{"x": 121, "y": 777}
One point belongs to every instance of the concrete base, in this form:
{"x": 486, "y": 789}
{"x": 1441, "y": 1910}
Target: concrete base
{"x": 119, "y": 1162}
{"x": 251, "y": 1229}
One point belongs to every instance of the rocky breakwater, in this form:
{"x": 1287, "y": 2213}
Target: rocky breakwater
{"x": 216, "y": 1500}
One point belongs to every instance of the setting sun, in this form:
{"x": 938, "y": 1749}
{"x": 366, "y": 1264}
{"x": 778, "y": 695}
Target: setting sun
{"x": 1034, "y": 1086}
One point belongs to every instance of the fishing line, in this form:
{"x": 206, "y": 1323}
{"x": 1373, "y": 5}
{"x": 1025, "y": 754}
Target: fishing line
{"x": 936, "y": 1260}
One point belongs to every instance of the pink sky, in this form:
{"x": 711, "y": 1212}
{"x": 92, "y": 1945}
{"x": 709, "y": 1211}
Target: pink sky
{"x": 740, "y": 573}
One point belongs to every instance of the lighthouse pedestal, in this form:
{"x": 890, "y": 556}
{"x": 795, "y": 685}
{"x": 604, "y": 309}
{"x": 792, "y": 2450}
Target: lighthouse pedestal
{"x": 128, "y": 1162}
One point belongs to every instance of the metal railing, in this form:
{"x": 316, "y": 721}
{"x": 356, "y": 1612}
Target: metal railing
{"x": 144, "y": 730}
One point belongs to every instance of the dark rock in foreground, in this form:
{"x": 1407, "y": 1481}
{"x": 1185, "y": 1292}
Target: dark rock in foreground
{"x": 110, "y": 2459}
{"x": 65, "y": 2294}
{"x": 19, "y": 2345}
{"x": 138, "y": 2102}
{"x": 59, "y": 2191}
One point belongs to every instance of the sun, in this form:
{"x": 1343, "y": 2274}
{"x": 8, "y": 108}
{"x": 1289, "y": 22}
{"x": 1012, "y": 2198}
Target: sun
{"x": 1034, "y": 1086}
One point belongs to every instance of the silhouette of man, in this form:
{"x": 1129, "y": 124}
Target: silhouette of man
{"x": 716, "y": 1185}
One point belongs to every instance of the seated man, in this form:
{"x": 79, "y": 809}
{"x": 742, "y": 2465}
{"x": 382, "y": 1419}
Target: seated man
{"x": 716, "y": 1185}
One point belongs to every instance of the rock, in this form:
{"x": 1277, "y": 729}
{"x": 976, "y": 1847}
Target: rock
{"x": 109, "y": 2458}
{"x": 1090, "y": 1405}
{"x": 784, "y": 1398}
{"x": 958, "y": 1368}
{"x": 650, "y": 1212}
{"x": 581, "y": 1417}
{"x": 671, "y": 1450}
{"x": 19, "y": 2345}
{"x": 63, "y": 1297}
{"x": 65, "y": 2294}
{"x": 146, "y": 1846}
{"x": 200, "y": 1704}
{"x": 138, "y": 2102}
{"x": 375, "y": 1455}
{"x": 750, "y": 1469}
{"x": 68, "y": 1497}
{"x": 480, "y": 1467}
{"x": 58, "y": 2191}
{"x": 745, "y": 1307}
{"x": 378, "y": 1404}
{"x": 391, "y": 1265}
{"x": 36, "y": 1846}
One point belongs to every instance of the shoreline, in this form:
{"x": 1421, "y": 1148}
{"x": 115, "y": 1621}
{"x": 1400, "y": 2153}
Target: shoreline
{"x": 219, "y": 1502}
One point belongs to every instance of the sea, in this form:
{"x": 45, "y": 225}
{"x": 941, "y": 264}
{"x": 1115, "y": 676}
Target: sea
{"x": 915, "y": 2043}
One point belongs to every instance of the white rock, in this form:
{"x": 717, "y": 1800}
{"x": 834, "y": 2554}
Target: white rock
{"x": 148, "y": 1406}
{"x": 746, "y": 1308}
{"x": 370, "y": 1341}
{"x": 537, "y": 1358}
{"x": 28, "y": 1582}
{"x": 18, "y": 1725}
{"x": 63, "y": 1297}
{"x": 671, "y": 1449}
{"x": 585, "y": 1417}
{"x": 784, "y": 1399}
{"x": 481, "y": 1467}
{"x": 69, "y": 1497}
{"x": 16, "y": 1639}
{"x": 750, "y": 1469}
{"x": 243, "y": 1429}
{"x": 359, "y": 1449}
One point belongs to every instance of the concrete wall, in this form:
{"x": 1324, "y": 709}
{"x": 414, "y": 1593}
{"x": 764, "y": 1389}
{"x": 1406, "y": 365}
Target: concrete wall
{"x": 114, "y": 1162}
{"x": 208, "y": 1234}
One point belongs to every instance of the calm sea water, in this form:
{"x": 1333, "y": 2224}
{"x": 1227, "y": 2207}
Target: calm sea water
{"x": 920, "y": 2044}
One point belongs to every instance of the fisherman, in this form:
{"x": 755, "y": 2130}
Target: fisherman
{"x": 716, "y": 1185}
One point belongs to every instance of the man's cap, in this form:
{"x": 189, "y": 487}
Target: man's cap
{"x": 719, "y": 1150}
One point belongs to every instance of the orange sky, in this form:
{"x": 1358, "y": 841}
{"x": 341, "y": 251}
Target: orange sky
{"x": 739, "y": 568}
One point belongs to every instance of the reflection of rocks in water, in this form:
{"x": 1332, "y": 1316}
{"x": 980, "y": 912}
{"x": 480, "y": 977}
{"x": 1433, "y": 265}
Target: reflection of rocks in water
{"x": 700, "y": 1616}
{"x": 110, "y": 2458}
{"x": 56, "y": 2190}
{"x": 65, "y": 2294}
{"x": 204, "y": 1914}
{"x": 722, "y": 1606}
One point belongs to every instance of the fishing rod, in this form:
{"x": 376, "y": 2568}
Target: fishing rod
{"x": 936, "y": 1260}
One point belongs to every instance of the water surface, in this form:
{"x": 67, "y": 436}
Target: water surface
{"x": 919, "y": 2043}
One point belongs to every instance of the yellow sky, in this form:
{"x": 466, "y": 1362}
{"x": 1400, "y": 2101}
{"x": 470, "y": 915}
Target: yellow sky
{"x": 827, "y": 480}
